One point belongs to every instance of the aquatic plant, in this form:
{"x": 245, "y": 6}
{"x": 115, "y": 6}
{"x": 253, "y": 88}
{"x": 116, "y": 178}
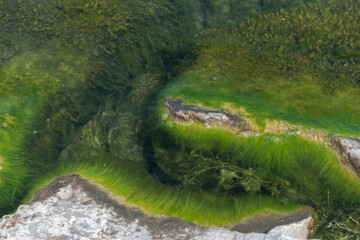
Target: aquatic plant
{"x": 138, "y": 187}
{"x": 26, "y": 82}
{"x": 88, "y": 72}
{"x": 317, "y": 39}
{"x": 59, "y": 61}
{"x": 296, "y": 65}
{"x": 309, "y": 167}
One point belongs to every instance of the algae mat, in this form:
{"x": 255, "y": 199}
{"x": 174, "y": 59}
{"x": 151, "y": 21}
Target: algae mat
{"x": 82, "y": 88}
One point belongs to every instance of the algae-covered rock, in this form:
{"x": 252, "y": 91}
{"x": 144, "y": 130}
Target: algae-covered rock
{"x": 280, "y": 73}
{"x": 210, "y": 118}
{"x": 347, "y": 148}
{"x": 240, "y": 124}
{"x": 71, "y": 207}
{"x": 77, "y": 80}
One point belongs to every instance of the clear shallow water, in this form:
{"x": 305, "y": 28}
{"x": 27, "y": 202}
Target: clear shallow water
{"x": 94, "y": 69}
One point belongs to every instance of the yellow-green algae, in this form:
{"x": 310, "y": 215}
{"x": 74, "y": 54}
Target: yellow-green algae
{"x": 310, "y": 167}
{"x": 298, "y": 65}
{"x": 26, "y": 82}
{"x": 140, "y": 188}
{"x": 60, "y": 73}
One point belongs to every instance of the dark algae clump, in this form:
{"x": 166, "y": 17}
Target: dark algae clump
{"x": 83, "y": 83}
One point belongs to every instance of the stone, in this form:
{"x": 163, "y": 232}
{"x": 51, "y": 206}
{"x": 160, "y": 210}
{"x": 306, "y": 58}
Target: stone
{"x": 263, "y": 223}
{"x": 209, "y": 118}
{"x": 74, "y": 208}
{"x": 239, "y": 124}
{"x": 348, "y": 150}
{"x": 294, "y": 231}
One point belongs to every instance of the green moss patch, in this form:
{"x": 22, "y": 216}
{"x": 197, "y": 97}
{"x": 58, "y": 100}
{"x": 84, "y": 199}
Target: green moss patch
{"x": 139, "y": 188}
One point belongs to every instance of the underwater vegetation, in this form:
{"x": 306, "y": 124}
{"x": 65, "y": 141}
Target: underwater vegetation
{"x": 82, "y": 85}
{"x": 53, "y": 84}
{"x": 138, "y": 187}
{"x": 26, "y": 82}
{"x": 297, "y": 65}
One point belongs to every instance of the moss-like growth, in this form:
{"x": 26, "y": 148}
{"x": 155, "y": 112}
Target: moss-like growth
{"x": 308, "y": 167}
{"x": 77, "y": 78}
{"x": 140, "y": 188}
{"x": 60, "y": 63}
{"x": 27, "y": 80}
{"x": 297, "y": 65}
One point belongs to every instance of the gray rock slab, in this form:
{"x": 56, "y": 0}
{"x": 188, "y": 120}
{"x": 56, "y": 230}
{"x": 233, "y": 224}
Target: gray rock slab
{"x": 209, "y": 118}
{"x": 74, "y": 208}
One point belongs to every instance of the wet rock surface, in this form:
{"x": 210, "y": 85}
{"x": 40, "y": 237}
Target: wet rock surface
{"x": 239, "y": 124}
{"x": 263, "y": 223}
{"x": 208, "y": 117}
{"x": 74, "y": 208}
{"x": 348, "y": 150}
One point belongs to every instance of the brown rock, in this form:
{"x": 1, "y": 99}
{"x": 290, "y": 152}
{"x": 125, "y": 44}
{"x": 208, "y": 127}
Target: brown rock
{"x": 209, "y": 118}
{"x": 240, "y": 125}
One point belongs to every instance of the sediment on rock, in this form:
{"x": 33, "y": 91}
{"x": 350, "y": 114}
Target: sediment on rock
{"x": 282, "y": 127}
{"x": 209, "y": 118}
{"x": 347, "y": 149}
{"x": 240, "y": 125}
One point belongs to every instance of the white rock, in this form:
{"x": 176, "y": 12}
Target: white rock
{"x": 71, "y": 213}
{"x": 295, "y": 231}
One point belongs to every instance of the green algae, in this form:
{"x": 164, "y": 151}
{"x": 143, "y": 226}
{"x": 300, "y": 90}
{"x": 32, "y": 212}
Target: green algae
{"x": 282, "y": 65}
{"x": 59, "y": 61}
{"x": 300, "y": 103}
{"x": 138, "y": 187}
{"x": 309, "y": 167}
{"x": 88, "y": 74}
{"x": 27, "y": 80}
{"x": 297, "y": 65}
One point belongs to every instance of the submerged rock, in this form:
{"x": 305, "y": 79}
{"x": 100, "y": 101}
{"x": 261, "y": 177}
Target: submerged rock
{"x": 348, "y": 150}
{"x": 209, "y": 118}
{"x": 295, "y": 231}
{"x": 239, "y": 124}
{"x": 263, "y": 223}
{"x": 73, "y": 208}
